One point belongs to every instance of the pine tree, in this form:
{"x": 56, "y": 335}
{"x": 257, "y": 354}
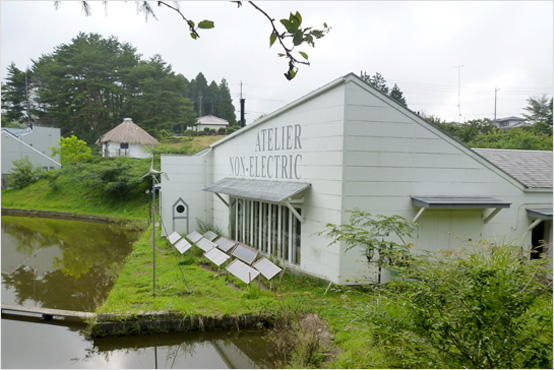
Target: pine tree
{"x": 225, "y": 107}
{"x": 14, "y": 98}
{"x": 397, "y": 95}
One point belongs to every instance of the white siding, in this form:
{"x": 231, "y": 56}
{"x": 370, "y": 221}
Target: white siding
{"x": 321, "y": 121}
{"x": 187, "y": 175}
{"x": 134, "y": 150}
{"x": 391, "y": 155}
{"x": 16, "y": 149}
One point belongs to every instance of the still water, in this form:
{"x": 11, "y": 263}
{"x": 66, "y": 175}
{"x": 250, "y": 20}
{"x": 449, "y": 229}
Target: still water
{"x": 72, "y": 265}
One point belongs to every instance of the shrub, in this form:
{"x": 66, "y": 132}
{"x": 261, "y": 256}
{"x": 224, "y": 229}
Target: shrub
{"x": 23, "y": 173}
{"x": 484, "y": 307}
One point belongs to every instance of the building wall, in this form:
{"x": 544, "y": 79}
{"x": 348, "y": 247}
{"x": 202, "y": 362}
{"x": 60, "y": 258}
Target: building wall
{"x": 391, "y": 155}
{"x": 15, "y": 149}
{"x": 186, "y": 177}
{"x": 134, "y": 151}
{"x": 42, "y": 138}
{"x": 318, "y": 158}
{"x": 201, "y": 127}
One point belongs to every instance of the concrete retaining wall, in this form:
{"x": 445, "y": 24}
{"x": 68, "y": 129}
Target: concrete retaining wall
{"x": 162, "y": 322}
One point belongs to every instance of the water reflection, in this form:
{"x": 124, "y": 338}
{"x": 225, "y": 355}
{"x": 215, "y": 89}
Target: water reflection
{"x": 70, "y": 349}
{"x": 73, "y": 265}
{"x": 59, "y": 263}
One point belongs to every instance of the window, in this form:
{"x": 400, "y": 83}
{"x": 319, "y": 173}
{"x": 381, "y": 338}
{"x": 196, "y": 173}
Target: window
{"x": 124, "y": 146}
{"x": 270, "y": 228}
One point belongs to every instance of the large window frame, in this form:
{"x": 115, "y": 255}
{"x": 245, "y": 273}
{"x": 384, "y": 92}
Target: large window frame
{"x": 270, "y": 228}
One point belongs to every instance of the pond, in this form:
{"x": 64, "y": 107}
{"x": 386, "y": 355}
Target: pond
{"x": 73, "y": 265}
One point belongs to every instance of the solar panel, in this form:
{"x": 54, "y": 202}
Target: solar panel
{"x": 183, "y": 245}
{"x": 242, "y": 271}
{"x": 244, "y": 253}
{"x": 205, "y": 244}
{"x": 216, "y": 256}
{"x": 210, "y": 235}
{"x": 194, "y": 236}
{"x": 174, "y": 237}
{"x": 225, "y": 244}
{"x": 267, "y": 268}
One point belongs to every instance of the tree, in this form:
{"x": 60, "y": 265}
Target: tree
{"x": 381, "y": 235}
{"x": 161, "y": 102}
{"x": 225, "y": 107}
{"x": 88, "y": 86}
{"x": 14, "y": 97}
{"x": 288, "y": 32}
{"x": 72, "y": 150}
{"x": 84, "y": 87}
{"x": 379, "y": 82}
{"x": 540, "y": 109}
{"x": 397, "y": 95}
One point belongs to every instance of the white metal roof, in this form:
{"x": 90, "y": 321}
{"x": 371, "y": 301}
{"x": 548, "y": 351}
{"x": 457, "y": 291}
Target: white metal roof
{"x": 271, "y": 191}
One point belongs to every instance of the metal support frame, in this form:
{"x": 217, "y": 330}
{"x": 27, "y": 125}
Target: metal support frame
{"x": 535, "y": 224}
{"x": 294, "y": 212}
{"x": 492, "y": 214}
{"x": 418, "y": 215}
{"x": 222, "y": 199}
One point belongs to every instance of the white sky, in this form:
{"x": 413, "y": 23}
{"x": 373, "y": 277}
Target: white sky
{"x": 415, "y": 44}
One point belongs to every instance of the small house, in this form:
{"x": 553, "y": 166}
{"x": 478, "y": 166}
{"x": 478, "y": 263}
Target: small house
{"x": 510, "y": 122}
{"x": 127, "y": 140}
{"x": 211, "y": 122}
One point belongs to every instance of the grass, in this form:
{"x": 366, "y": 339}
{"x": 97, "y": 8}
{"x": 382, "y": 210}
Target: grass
{"x": 216, "y": 295}
{"x": 73, "y": 199}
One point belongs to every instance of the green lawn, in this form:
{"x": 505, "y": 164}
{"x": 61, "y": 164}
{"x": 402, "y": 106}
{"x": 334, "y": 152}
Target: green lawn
{"x": 211, "y": 294}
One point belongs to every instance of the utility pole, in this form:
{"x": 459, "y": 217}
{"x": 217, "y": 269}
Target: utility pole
{"x": 495, "y": 91}
{"x": 459, "y": 94}
{"x": 242, "y": 123}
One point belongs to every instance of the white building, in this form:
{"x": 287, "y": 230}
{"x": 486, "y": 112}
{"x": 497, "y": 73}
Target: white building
{"x": 127, "y": 140}
{"x": 34, "y": 143}
{"x": 275, "y": 183}
{"x": 511, "y": 122}
{"x": 211, "y": 122}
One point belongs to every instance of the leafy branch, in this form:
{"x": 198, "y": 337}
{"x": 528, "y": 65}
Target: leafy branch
{"x": 298, "y": 34}
{"x": 292, "y": 30}
{"x": 205, "y": 24}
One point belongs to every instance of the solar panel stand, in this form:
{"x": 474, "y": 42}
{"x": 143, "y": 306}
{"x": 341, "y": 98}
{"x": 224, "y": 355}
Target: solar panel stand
{"x": 281, "y": 276}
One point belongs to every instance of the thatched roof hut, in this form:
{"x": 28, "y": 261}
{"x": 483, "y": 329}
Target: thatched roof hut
{"x": 128, "y": 132}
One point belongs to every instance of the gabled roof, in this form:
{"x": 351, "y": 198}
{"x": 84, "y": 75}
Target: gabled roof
{"x": 127, "y": 132}
{"x": 533, "y": 168}
{"x": 353, "y": 78}
{"x": 512, "y": 118}
{"x": 17, "y": 131}
{"x": 212, "y": 120}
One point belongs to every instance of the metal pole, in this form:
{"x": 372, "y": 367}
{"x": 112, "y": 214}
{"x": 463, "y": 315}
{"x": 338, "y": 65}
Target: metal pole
{"x": 153, "y": 235}
{"x": 459, "y": 94}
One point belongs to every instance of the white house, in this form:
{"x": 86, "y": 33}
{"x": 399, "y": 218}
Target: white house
{"x": 33, "y": 143}
{"x": 275, "y": 183}
{"x": 211, "y": 122}
{"x": 511, "y": 122}
{"x": 127, "y": 140}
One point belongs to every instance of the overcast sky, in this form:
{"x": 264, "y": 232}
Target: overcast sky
{"x": 415, "y": 44}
